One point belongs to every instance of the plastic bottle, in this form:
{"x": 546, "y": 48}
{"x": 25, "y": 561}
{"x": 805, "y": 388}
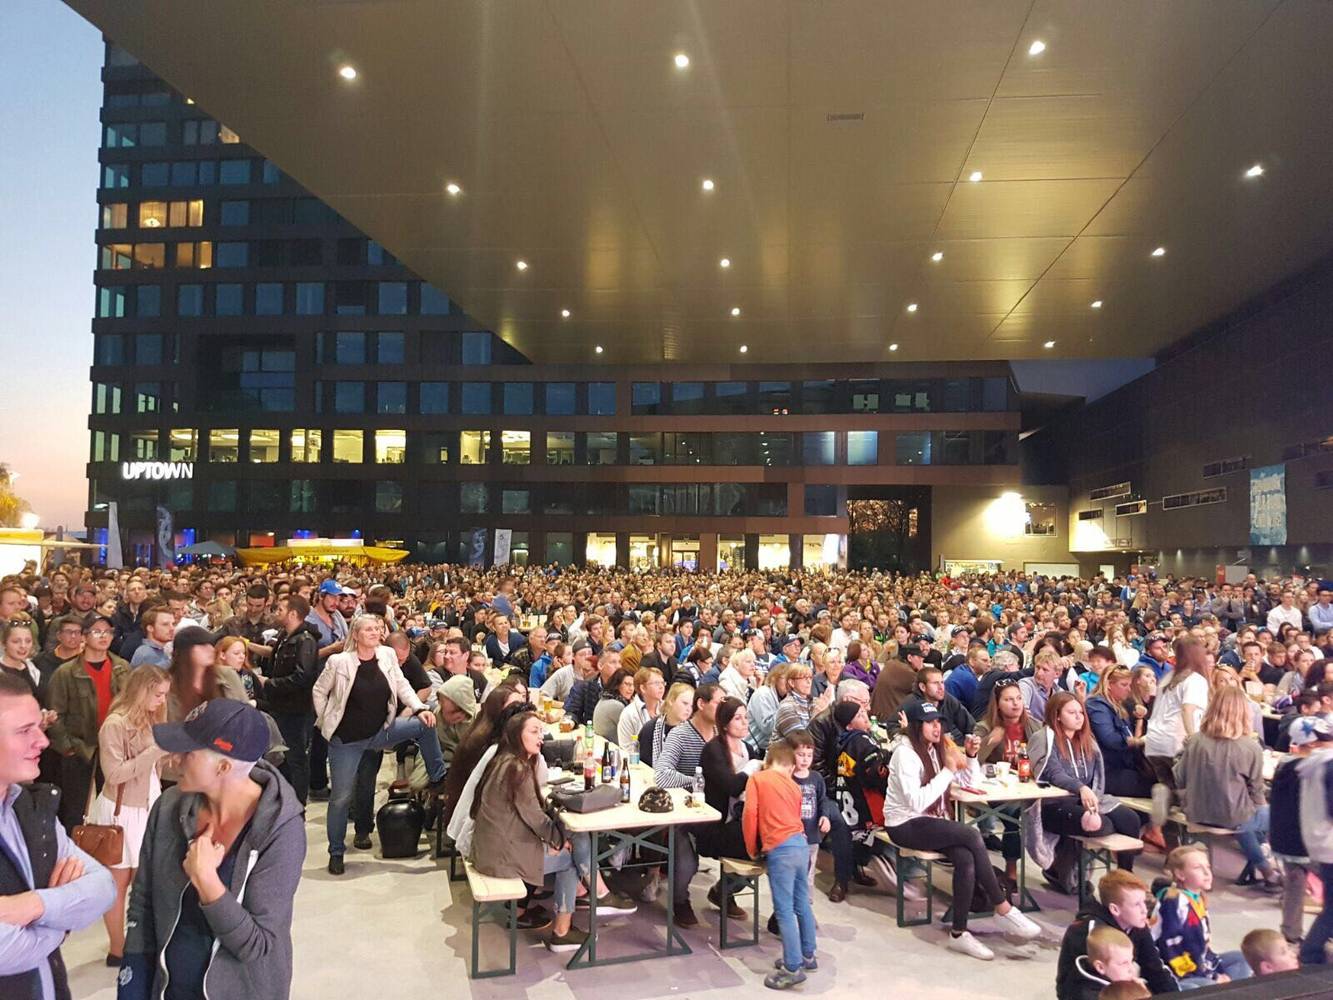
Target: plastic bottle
{"x": 1024, "y": 763}
{"x": 588, "y": 739}
{"x": 633, "y": 750}
{"x": 589, "y": 773}
{"x": 698, "y": 788}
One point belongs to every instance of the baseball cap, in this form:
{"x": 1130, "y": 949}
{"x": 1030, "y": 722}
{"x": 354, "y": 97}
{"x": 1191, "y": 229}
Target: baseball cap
{"x": 580, "y": 645}
{"x": 1310, "y": 729}
{"x": 921, "y": 711}
{"x": 93, "y": 617}
{"x": 435, "y": 623}
{"x": 231, "y": 728}
{"x": 332, "y": 587}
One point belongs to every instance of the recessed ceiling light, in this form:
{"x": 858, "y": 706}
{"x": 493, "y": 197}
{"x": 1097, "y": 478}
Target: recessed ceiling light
{"x": 911, "y": 307}
{"x": 1255, "y": 171}
{"x": 937, "y": 256}
{"x": 564, "y": 314}
{"x": 744, "y": 349}
{"x": 893, "y": 347}
{"x": 347, "y": 72}
{"x": 974, "y": 176}
{"x": 681, "y": 60}
{"x": 735, "y": 310}
{"x": 598, "y": 348}
{"x": 707, "y": 184}
{"x": 522, "y": 265}
{"x": 453, "y": 189}
{"x": 1096, "y": 303}
{"x": 1037, "y": 47}
{"x": 1049, "y": 344}
{"x": 725, "y": 262}
{"x": 1159, "y": 252}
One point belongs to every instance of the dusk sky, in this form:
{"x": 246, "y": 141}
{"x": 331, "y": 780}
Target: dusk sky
{"x": 50, "y": 64}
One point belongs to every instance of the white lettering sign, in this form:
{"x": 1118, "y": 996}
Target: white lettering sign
{"x": 156, "y": 470}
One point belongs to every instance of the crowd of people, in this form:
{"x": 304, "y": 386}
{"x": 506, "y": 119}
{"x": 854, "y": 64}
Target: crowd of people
{"x": 198, "y": 708}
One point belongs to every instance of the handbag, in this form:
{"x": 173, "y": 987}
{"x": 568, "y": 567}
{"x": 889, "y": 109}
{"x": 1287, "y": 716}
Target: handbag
{"x": 593, "y": 800}
{"x": 105, "y": 842}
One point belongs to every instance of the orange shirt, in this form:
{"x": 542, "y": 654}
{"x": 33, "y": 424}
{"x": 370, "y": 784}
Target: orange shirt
{"x": 772, "y": 811}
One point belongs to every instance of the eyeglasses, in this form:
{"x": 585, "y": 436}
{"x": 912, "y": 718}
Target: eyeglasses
{"x": 101, "y": 633}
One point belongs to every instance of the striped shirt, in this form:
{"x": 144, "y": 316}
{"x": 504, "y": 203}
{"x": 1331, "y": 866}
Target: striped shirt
{"x": 674, "y": 765}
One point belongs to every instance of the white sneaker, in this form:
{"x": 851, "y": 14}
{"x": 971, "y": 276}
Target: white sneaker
{"x": 1018, "y": 923}
{"x": 969, "y": 945}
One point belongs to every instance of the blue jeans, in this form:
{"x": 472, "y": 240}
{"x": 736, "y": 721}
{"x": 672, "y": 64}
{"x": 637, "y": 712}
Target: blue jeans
{"x": 788, "y": 865}
{"x": 363, "y": 797}
{"x": 1252, "y": 835}
{"x": 1312, "y": 948}
{"x": 345, "y": 762}
{"x": 567, "y": 867}
{"x": 1232, "y": 963}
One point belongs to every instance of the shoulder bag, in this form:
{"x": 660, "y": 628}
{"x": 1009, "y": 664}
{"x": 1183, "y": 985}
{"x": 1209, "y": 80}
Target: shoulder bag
{"x": 103, "y": 841}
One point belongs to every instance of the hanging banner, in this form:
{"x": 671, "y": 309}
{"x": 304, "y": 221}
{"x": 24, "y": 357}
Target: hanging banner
{"x": 503, "y": 538}
{"x": 476, "y": 547}
{"x": 166, "y": 537}
{"x": 1268, "y": 505}
{"x": 114, "y": 559}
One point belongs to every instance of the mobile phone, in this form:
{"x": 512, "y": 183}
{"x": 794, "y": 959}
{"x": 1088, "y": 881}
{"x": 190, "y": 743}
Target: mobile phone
{"x": 563, "y": 780}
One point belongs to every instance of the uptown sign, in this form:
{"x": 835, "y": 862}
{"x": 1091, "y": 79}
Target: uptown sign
{"x": 156, "y": 470}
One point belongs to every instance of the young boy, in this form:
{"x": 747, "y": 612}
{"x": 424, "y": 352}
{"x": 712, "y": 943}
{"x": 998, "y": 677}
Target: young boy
{"x": 1267, "y": 951}
{"x": 771, "y": 823}
{"x": 1183, "y": 933}
{"x": 1121, "y": 904}
{"x": 820, "y": 816}
{"x": 1110, "y": 959}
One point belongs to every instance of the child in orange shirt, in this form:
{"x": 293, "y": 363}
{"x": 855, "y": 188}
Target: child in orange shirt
{"x": 772, "y": 824}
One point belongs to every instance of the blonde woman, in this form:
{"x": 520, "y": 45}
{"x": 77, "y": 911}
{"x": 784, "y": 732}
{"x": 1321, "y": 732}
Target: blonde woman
{"x": 130, "y": 763}
{"x": 1221, "y": 777}
{"x": 1227, "y": 677}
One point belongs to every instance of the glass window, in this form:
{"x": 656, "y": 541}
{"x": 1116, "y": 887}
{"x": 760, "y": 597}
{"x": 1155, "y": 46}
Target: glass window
{"x": 817, "y": 396}
{"x": 231, "y": 254}
{"x": 687, "y": 448}
{"x": 602, "y": 399}
{"x": 349, "y": 397}
{"x": 235, "y": 213}
{"x": 817, "y": 448}
{"x": 912, "y": 448}
{"x": 645, "y": 398}
{"x": 388, "y": 498}
{"x": 105, "y": 447}
{"x": 310, "y": 298}
{"x": 475, "y": 398}
{"x": 117, "y": 175}
{"x": 995, "y": 394}
{"x": 776, "y": 449}
{"x": 515, "y": 501}
{"x": 774, "y": 398}
{"x": 152, "y": 133}
{"x": 731, "y": 397}
{"x": 643, "y": 500}
{"x": 348, "y": 447}
{"x": 302, "y": 499}
{"x": 435, "y": 447}
{"x": 106, "y": 398}
{"x": 728, "y": 500}
{"x": 821, "y": 501}
{"x": 476, "y": 347}
{"x": 998, "y": 448}
{"x": 152, "y": 214}
{"x": 349, "y": 348}
{"x": 198, "y": 255}
{"x": 109, "y": 349}
{"x": 865, "y": 395}
{"x": 222, "y": 497}
{"x": 515, "y": 447}
{"x": 148, "y": 301}
{"x": 148, "y": 349}
{"x": 472, "y": 498}
{"x": 228, "y": 299}
{"x": 147, "y": 397}
{"x": 184, "y": 173}
{"x": 110, "y": 302}
{"x": 518, "y": 399}
{"x": 954, "y": 395}
{"x": 115, "y": 216}
{"x": 645, "y": 449}
{"x": 349, "y": 298}
{"x": 433, "y": 301}
{"x": 1040, "y": 519}
{"x": 559, "y": 548}
{"x": 224, "y": 444}
{"x": 862, "y": 447}
{"x": 234, "y": 172}
{"x": 559, "y": 399}
{"x": 307, "y": 444}
{"x": 687, "y": 397}
{"x": 391, "y": 397}
{"x": 189, "y": 300}
{"x": 268, "y": 298}
{"x": 150, "y": 256}
{"x": 559, "y": 447}
{"x": 143, "y": 445}
{"x": 267, "y": 496}
{"x": 474, "y": 447}
{"x": 184, "y": 445}
{"x": 390, "y": 447}
{"x": 270, "y": 173}
{"x": 955, "y": 448}
{"x": 434, "y": 397}
{"x": 116, "y": 257}
{"x": 733, "y": 449}
{"x": 389, "y": 348}
{"x": 601, "y": 448}
{"x": 264, "y": 445}
{"x": 393, "y": 298}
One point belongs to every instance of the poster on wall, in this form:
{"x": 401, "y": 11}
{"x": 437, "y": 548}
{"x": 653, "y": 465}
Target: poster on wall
{"x": 1268, "y": 505}
{"x": 166, "y": 537}
{"x": 476, "y": 547}
{"x": 503, "y": 538}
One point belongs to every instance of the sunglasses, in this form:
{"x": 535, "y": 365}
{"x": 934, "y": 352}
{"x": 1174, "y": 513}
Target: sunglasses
{"x": 1006, "y": 682}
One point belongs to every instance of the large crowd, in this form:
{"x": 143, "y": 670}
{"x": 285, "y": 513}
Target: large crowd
{"x": 197, "y": 709}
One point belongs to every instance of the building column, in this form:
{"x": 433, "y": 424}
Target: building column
{"x": 622, "y": 548}
{"x": 796, "y": 545}
{"x": 707, "y": 552}
{"x": 751, "y": 551}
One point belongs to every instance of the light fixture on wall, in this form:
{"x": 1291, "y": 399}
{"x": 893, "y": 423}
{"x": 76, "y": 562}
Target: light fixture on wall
{"x": 1007, "y": 515}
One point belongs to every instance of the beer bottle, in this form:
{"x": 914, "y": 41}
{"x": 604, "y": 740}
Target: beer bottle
{"x": 607, "y": 771}
{"x": 624, "y": 784}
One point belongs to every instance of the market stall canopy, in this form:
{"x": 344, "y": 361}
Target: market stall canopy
{"x": 360, "y": 555}
{"x": 206, "y": 549}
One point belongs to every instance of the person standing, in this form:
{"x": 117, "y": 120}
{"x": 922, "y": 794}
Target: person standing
{"x": 48, "y": 887}
{"x": 211, "y": 908}
{"x": 329, "y": 622}
{"x": 285, "y": 689}
{"x": 130, "y": 760}
{"x": 159, "y": 625}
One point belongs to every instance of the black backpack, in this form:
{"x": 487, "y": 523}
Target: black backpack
{"x": 1284, "y": 806}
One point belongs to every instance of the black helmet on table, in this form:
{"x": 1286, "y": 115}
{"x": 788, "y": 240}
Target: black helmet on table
{"x": 655, "y": 800}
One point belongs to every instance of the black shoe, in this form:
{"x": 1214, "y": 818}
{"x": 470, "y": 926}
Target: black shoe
{"x": 437, "y": 787}
{"x": 533, "y": 917}
{"x": 1060, "y": 883}
{"x": 1247, "y": 876}
{"x": 114, "y": 961}
{"x": 319, "y": 795}
{"x": 773, "y": 927}
{"x": 336, "y": 866}
{"x": 361, "y": 843}
{"x": 993, "y": 843}
{"x": 685, "y": 915}
{"x": 860, "y": 877}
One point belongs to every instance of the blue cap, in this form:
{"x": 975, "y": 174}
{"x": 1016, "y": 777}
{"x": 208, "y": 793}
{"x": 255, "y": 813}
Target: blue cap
{"x": 332, "y": 587}
{"x": 231, "y": 728}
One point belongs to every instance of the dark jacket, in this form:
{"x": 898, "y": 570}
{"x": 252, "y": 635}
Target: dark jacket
{"x": 1074, "y": 983}
{"x": 73, "y": 695}
{"x": 824, "y": 731}
{"x": 251, "y": 922}
{"x": 722, "y": 783}
{"x": 1112, "y": 734}
{"x": 292, "y": 671}
{"x": 129, "y": 632}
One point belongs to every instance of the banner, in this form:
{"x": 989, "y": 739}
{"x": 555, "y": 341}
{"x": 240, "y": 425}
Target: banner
{"x": 1268, "y": 505}
{"x": 114, "y": 559}
{"x": 476, "y": 547}
{"x": 166, "y": 537}
{"x": 503, "y": 538}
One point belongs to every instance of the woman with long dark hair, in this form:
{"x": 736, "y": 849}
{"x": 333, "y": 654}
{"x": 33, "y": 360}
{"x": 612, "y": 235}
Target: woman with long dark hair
{"x": 727, "y": 762}
{"x": 916, "y": 811}
{"x": 1007, "y": 726}
{"x": 483, "y": 734}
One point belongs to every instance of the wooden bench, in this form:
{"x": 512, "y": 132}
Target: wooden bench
{"x": 739, "y": 877}
{"x": 928, "y": 859}
{"x": 1100, "y": 851}
{"x": 1144, "y": 806}
{"x": 490, "y": 889}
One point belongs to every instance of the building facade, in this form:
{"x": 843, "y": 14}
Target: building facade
{"x": 262, "y": 371}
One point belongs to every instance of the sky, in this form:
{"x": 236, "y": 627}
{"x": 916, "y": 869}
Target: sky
{"x": 50, "y": 74}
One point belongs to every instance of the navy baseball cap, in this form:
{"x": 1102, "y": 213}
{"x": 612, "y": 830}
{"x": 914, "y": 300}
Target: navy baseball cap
{"x": 921, "y": 711}
{"x": 231, "y": 728}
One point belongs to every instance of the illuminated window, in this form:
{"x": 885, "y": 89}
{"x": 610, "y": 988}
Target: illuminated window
{"x": 390, "y": 447}
{"x": 115, "y": 216}
{"x": 263, "y": 446}
{"x": 473, "y": 447}
{"x": 1040, "y": 519}
{"x": 306, "y": 444}
{"x": 152, "y": 214}
{"x": 601, "y": 448}
{"x": 117, "y": 256}
{"x": 862, "y": 447}
{"x": 194, "y": 254}
{"x": 516, "y": 447}
{"x": 347, "y": 447}
{"x": 559, "y": 447}
{"x": 150, "y": 256}
{"x": 184, "y": 444}
{"x": 143, "y": 445}
{"x": 224, "y": 444}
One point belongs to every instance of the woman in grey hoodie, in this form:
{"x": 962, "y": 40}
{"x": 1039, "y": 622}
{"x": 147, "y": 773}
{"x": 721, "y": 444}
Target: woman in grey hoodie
{"x": 210, "y": 913}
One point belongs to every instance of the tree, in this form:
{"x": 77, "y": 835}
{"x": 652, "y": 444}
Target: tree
{"x": 878, "y": 531}
{"x": 12, "y": 506}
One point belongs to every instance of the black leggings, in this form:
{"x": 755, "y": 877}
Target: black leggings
{"x": 1065, "y": 817}
{"x": 962, "y": 845}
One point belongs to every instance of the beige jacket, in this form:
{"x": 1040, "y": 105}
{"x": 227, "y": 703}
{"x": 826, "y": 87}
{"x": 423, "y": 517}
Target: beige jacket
{"x": 334, "y": 685}
{"x": 128, "y": 757}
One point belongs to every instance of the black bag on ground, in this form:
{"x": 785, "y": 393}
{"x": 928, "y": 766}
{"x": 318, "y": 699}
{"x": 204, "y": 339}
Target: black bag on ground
{"x": 400, "y": 822}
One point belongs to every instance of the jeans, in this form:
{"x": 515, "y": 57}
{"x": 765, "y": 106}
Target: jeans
{"x": 567, "y": 867}
{"x": 296, "y": 728}
{"x": 363, "y": 798}
{"x": 839, "y": 838}
{"x": 1252, "y": 835}
{"x": 1312, "y": 948}
{"x": 319, "y": 759}
{"x": 686, "y": 866}
{"x": 787, "y": 867}
{"x": 1294, "y": 878}
{"x": 345, "y": 763}
{"x": 1231, "y": 963}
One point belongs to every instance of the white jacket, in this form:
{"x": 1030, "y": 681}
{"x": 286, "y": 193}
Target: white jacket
{"x": 905, "y": 797}
{"x": 334, "y": 686}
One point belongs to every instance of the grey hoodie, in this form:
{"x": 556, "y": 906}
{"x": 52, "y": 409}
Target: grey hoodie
{"x": 251, "y": 922}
